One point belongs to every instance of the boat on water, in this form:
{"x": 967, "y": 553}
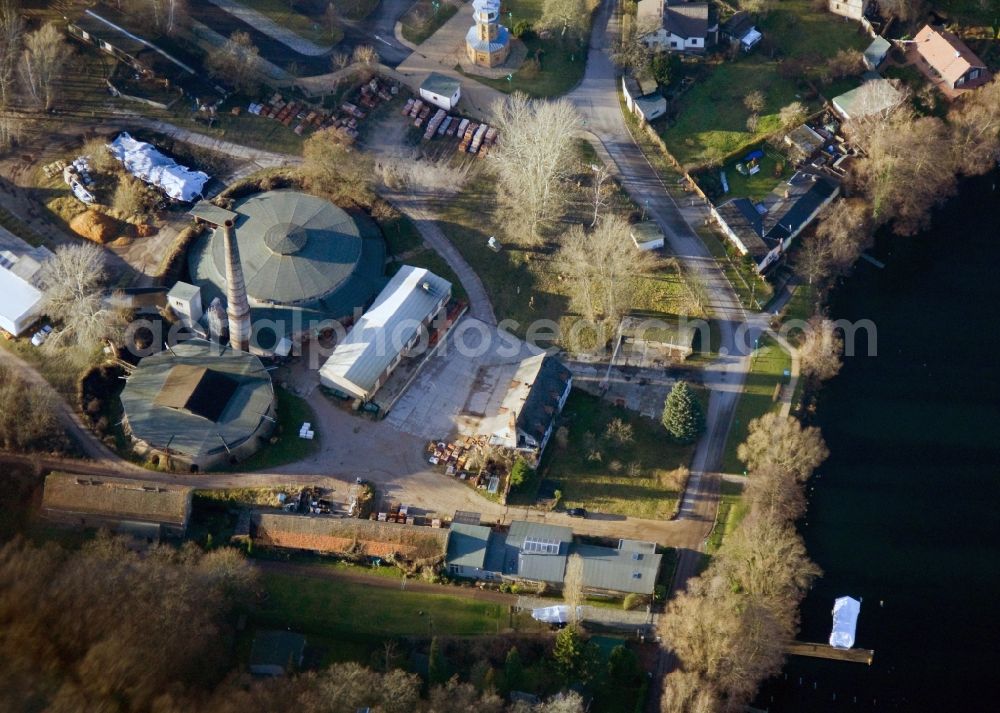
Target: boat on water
{"x": 845, "y": 622}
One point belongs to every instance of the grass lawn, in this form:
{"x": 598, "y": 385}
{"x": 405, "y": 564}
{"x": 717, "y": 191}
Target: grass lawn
{"x": 774, "y": 168}
{"x": 561, "y": 62}
{"x": 712, "y": 120}
{"x": 525, "y": 284}
{"x": 643, "y": 478}
{"x": 292, "y": 412}
{"x": 304, "y": 26}
{"x": 802, "y": 305}
{"x": 799, "y": 29}
{"x": 342, "y": 608}
{"x": 730, "y": 514}
{"x": 752, "y": 290}
{"x": 767, "y": 371}
{"x": 422, "y": 20}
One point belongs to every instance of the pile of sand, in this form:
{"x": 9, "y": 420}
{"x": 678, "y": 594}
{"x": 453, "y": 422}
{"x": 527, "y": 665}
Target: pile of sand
{"x": 95, "y": 226}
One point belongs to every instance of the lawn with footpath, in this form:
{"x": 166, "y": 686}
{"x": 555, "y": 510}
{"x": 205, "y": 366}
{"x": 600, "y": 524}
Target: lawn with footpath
{"x": 767, "y": 371}
{"x": 643, "y": 477}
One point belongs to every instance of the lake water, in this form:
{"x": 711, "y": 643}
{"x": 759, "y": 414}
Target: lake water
{"x": 905, "y": 511}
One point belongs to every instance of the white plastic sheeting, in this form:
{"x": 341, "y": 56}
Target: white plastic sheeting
{"x": 845, "y": 622}
{"x": 145, "y": 161}
{"x": 20, "y": 302}
{"x": 554, "y": 615}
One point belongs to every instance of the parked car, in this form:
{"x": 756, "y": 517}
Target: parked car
{"x": 47, "y": 329}
{"x": 38, "y": 338}
{"x": 576, "y": 512}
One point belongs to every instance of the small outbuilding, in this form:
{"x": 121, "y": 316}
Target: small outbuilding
{"x": 647, "y": 235}
{"x": 643, "y": 98}
{"x": 276, "y": 653}
{"x": 876, "y": 53}
{"x": 21, "y": 302}
{"x": 441, "y": 91}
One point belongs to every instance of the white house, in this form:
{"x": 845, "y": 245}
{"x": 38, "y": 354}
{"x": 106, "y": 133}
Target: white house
{"x": 853, "y": 9}
{"x": 388, "y": 331}
{"x": 676, "y": 26}
{"x": 441, "y": 91}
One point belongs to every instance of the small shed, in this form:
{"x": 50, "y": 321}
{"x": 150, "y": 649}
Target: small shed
{"x": 185, "y": 300}
{"x": 642, "y": 99}
{"x": 275, "y": 653}
{"x": 441, "y": 91}
{"x": 647, "y": 235}
{"x": 876, "y": 52}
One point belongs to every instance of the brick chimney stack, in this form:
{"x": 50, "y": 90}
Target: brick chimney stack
{"x": 237, "y": 305}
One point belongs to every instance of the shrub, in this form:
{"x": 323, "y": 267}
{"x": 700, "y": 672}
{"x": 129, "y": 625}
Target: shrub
{"x": 523, "y": 30}
{"x": 520, "y": 473}
{"x": 633, "y": 601}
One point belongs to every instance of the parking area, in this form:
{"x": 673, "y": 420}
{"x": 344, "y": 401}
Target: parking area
{"x": 459, "y": 383}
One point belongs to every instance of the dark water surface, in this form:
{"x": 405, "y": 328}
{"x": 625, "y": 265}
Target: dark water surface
{"x": 906, "y": 512}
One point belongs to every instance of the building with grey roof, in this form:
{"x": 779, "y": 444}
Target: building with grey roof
{"x": 303, "y": 259}
{"x": 538, "y": 553}
{"x": 677, "y": 26}
{"x": 199, "y": 404}
{"x": 441, "y": 90}
{"x": 122, "y": 504}
{"x": 390, "y": 330}
{"x": 535, "y": 397}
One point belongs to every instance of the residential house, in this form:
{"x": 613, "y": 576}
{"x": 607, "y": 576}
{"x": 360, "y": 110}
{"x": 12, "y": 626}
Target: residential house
{"x": 677, "y": 26}
{"x": 474, "y": 552}
{"x": 740, "y": 28}
{"x": 390, "y": 330}
{"x": 441, "y": 91}
{"x": 642, "y": 98}
{"x": 537, "y": 553}
{"x": 950, "y": 59}
{"x": 765, "y": 230}
{"x": 122, "y": 504}
{"x": 534, "y": 399}
{"x": 276, "y": 653}
{"x": 852, "y": 9}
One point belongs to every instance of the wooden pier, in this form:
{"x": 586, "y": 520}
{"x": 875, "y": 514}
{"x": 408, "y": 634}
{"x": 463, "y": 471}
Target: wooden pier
{"x": 825, "y": 651}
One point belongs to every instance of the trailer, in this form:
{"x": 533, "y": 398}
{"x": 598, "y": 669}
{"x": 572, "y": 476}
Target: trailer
{"x": 477, "y": 139}
{"x": 444, "y": 126}
{"x": 434, "y": 123}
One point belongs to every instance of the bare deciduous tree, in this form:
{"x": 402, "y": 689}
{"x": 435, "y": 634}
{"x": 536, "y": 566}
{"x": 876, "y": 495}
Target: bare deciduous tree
{"x": 339, "y": 60}
{"x": 335, "y": 168}
{"x": 567, "y": 16}
{"x": 364, "y": 54}
{"x": 820, "y": 350}
{"x": 907, "y": 170}
{"x": 814, "y": 260}
{"x": 74, "y": 280}
{"x": 237, "y": 62}
{"x": 598, "y": 262}
{"x": 846, "y": 63}
{"x": 572, "y": 592}
{"x": 904, "y": 10}
{"x": 11, "y": 40}
{"x": 974, "y": 128}
{"x": 600, "y": 189}
{"x": 792, "y": 114}
{"x": 43, "y": 62}
{"x": 754, "y": 101}
{"x": 845, "y": 230}
{"x": 533, "y": 158}
{"x": 777, "y": 442}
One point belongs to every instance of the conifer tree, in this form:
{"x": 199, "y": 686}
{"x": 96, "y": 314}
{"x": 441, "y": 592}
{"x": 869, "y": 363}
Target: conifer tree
{"x": 682, "y": 414}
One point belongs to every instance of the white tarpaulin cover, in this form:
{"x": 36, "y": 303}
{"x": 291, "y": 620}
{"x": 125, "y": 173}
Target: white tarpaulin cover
{"x": 751, "y": 38}
{"x": 553, "y": 615}
{"x": 145, "y": 161}
{"x": 845, "y": 622}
